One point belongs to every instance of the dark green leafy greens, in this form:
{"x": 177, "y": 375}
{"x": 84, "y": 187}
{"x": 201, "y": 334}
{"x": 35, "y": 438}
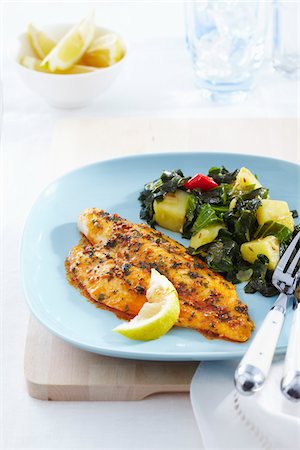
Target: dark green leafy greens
{"x": 241, "y": 220}
{"x": 217, "y": 196}
{"x": 261, "y": 280}
{"x": 191, "y": 214}
{"x": 206, "y": 217}
{"x": 237, "y": 211}
{"x": 216, "y": 201}
{"x": 224, "y": 256}
{"x": 271, "y": 228}
{"x": 221, "y": 175}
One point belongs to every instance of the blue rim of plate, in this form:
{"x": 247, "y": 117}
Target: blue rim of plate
{"x": 120, "y": 353}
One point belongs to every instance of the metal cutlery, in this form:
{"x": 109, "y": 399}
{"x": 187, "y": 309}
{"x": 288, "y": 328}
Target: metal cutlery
{"x": 253, "y": 369}
{"x": 290, "y": 383}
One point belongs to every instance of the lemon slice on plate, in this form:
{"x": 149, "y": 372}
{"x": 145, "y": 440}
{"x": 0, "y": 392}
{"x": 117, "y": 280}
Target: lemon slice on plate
{"x": 72, "y": 46}
{"x": 41, "y": 44}
{"x": 104, "y": 51}
{"x": 158, "y": 315}
{"x": 35, "y": 64}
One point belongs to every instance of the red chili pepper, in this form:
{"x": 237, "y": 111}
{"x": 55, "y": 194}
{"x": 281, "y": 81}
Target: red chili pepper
{"x": 200, "y": 181}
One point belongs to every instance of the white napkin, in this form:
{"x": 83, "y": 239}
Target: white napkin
{"x": 228, "y": 420}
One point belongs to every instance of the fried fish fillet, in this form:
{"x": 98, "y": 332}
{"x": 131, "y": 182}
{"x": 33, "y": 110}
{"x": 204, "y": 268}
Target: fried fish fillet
{"x": 112, "y": 268}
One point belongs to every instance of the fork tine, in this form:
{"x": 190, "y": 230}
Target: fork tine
{"x": 294, "y": 263}
{"x": 287, "y": 254}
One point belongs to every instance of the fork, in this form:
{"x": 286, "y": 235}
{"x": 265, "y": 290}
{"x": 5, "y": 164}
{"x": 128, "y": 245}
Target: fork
{"x": 290, "y": 383}
{"x": 253, "y": 369}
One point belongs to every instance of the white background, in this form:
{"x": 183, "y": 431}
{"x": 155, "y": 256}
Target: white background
{"x": 157, "y": 81}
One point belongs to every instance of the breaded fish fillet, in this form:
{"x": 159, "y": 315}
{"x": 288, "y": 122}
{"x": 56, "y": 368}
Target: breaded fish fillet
{"x": 112, "y": 268}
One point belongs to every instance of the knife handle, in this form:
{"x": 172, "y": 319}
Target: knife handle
{"x": 290, "y": 383}
{"x": 252, "y": 371}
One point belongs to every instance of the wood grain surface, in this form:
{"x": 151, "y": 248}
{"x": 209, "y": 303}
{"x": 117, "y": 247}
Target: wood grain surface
{"x": 55, "y": 370}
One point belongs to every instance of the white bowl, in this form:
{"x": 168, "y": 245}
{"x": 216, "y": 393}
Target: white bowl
{"x": 66, "y": 91}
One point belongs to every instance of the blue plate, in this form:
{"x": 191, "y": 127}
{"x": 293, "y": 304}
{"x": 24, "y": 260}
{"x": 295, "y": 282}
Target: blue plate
{"x": 114, "y": 186}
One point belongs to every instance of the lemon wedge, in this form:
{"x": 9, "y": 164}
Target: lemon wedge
{"x": 72, "y": 46}
{"x": 35, "y": 64}
{"x": 104, "y": 51}
{"x": 158, "y": 315}
{"x": 41, "y": 44}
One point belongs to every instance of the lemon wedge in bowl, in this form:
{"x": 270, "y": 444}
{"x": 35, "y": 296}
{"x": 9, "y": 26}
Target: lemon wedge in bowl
{"x": 158, "y": 315}
{"x": 41, "y": 44}
{"x": 72, "y": 46}
{"x": 104, "y": 51}
{"x": 35, "y": 64}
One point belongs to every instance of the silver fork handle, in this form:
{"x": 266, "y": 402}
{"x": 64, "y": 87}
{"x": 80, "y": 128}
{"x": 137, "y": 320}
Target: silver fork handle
{"x": 290, "y": 383}
{"x": 252, "y": 371}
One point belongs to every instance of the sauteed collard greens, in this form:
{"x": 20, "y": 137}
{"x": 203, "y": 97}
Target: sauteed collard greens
{"x": 229, "y": 218}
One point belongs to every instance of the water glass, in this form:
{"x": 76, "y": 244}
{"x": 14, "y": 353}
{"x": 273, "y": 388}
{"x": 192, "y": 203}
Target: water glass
{"x": 226, "y": 40}
{"x": 286, "y": 38}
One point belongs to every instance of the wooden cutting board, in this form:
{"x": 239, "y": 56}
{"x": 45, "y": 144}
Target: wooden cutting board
{"x": 55, "y": 370}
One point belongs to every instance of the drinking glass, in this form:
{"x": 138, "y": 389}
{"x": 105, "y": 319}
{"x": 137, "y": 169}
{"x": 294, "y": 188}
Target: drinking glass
{"x": 286, "y": 38}
{"x": 226, "y": 40}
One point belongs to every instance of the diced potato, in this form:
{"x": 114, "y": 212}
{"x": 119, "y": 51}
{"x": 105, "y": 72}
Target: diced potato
{"x": 170, "y": 212}
{"x": 275, "y": 210}
{"x": 205, "y": 236}
{"x": 244, "y": 179}
{"x": 268, "y": 246}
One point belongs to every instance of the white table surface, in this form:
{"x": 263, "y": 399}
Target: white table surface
{"x": 156, "y": 82}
